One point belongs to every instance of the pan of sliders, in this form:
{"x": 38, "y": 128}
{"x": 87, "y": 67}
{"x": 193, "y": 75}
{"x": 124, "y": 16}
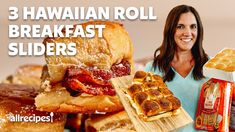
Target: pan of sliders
{"x": 148, "y": 102}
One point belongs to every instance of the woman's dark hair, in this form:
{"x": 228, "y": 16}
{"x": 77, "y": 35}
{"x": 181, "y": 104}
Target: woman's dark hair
{"x": 168, "y": 47}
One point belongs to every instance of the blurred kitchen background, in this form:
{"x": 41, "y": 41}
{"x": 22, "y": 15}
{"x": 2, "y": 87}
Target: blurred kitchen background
{"x": 218, "y": 19}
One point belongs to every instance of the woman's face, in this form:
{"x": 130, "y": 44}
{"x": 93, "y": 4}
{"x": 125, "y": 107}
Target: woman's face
{"x": 186, "y": 32}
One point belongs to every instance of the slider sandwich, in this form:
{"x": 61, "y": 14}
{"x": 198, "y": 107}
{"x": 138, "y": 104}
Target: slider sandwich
{"x": 151, "y": 98}
{"x": 18, "y": 112}
{"x": 81, "y": 83}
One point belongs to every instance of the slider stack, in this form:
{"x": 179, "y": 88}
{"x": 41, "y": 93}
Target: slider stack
{"x": 75, "y": 85}
{"x": 151, "y": 98}
{"x": 17, "y": 93}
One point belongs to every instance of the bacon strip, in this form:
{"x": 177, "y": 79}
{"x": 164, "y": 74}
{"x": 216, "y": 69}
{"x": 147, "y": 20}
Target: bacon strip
{"x": 84, "y": 81}
{"x": 94, "y": 81}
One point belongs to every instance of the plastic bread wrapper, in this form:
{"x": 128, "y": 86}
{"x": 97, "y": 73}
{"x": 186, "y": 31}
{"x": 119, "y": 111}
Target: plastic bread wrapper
{"x": 213, "y": 111}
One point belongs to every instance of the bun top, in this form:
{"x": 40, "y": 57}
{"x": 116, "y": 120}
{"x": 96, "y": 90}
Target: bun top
{"x": 113, "y": 47}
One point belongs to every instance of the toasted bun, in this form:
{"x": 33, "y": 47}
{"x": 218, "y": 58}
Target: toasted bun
{"x": 110, "y": 122}
{"x": 27, "y": 75}
{"x": 59, "y": 100}
{"x": 154, "y": 117}
{"x": 19, "y": 100}
{"x": 113, "y": 47}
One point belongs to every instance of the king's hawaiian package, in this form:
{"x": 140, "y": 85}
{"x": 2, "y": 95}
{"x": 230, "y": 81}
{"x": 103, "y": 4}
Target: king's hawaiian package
{"x": 213, "y": 112}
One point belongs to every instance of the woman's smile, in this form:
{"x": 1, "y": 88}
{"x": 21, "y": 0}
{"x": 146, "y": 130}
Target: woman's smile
{"x": 186, "y": 32}
{"x": 186, "y": 39}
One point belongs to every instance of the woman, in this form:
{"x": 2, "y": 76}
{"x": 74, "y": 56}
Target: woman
{"x": 180, "y": 57}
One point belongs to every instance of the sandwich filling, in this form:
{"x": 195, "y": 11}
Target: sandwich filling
{"x": 92, "y": 80}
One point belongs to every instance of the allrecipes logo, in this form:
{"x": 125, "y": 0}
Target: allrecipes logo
{"x": 33, "y": 118}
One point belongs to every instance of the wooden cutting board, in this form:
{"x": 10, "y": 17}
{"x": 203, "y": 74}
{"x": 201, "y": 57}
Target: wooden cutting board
{"x": 164, "y": 124}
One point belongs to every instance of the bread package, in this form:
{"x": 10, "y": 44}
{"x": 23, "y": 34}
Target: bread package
{"x": 221, "y": 66}
{"x": 213, "y": 111}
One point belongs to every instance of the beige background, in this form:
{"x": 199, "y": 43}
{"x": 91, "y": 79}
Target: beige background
{"x": 218, "y": 19}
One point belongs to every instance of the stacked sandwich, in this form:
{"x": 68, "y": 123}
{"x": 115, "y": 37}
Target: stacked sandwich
{"x": 81, "y": 84}
{"x": 17, "y": 110}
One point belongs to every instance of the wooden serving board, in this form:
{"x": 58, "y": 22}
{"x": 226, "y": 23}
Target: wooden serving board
{"x": 164, "y": 124}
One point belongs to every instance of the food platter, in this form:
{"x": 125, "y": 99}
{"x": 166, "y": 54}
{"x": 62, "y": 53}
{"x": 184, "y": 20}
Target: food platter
{"x": 164, "y": 124}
